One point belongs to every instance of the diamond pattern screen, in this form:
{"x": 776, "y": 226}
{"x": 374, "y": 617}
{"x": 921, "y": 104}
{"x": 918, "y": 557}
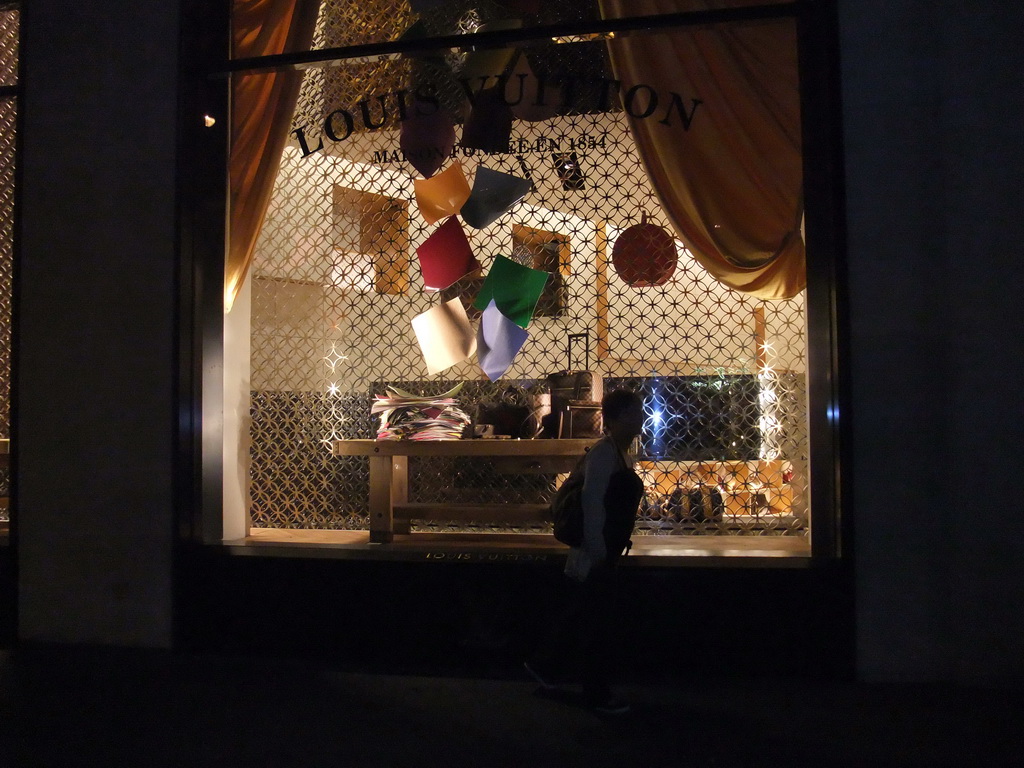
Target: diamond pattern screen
{"x": 9, "y": 34}
{"x": 341, "y": 268}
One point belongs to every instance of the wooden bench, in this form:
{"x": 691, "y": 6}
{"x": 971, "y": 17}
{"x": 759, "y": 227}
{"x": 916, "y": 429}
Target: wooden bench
{"x": 390, "y": 508}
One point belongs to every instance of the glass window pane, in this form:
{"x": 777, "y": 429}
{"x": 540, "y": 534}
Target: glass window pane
{"x": 336, "y": 282}
{"x": 342, "y": 23}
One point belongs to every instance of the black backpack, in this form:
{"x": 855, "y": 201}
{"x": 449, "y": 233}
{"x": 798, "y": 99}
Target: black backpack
{"x": 567, "y": 507}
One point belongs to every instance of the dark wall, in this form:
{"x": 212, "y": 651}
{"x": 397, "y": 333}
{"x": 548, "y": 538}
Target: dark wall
{"x": 8, "y": 596}
{"x": 469, "y": 618}
{"x": 96, "y": 324}
{"x": 933, "y": 103}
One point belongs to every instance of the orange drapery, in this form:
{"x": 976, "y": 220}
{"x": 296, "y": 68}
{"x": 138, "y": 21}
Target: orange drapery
{"x": 261, "y": 114}
{"x": 732, "y": 184}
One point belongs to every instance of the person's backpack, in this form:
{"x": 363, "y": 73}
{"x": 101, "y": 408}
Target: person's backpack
{"x": 567, "y": 507}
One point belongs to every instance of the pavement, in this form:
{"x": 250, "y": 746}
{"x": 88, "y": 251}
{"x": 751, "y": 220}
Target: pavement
{"x": 145, "y": 709}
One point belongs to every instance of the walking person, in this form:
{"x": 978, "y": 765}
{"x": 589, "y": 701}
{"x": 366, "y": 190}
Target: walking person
{"x": 582, "y": 635}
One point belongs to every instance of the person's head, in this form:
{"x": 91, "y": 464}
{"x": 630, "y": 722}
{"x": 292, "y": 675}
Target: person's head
{"x": 623, "y": 413}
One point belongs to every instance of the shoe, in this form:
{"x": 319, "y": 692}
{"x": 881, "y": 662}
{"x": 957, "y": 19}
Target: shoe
{"x": 611, "y": 706}
{"x": 543, "y": 680}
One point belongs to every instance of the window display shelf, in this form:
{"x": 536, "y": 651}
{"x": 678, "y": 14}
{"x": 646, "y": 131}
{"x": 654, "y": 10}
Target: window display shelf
{"x": 390, "y": 510}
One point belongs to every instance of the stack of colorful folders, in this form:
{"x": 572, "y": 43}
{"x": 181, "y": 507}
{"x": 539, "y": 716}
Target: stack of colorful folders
{"x": 405, "y": 416}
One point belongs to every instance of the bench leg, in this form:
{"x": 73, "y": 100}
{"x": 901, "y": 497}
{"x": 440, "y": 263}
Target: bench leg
{"x": 399, "y": 490}
{"x": 382, "y": 519}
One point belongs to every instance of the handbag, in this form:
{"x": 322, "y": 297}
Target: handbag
{"x": 701, "y": 503}
{"x": 584, "y": 419}
{"x": 506, "y": 418}
{"x": 566, "y": 387}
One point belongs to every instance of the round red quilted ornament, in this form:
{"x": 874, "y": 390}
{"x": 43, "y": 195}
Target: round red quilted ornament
{"x": 644, "y": 255}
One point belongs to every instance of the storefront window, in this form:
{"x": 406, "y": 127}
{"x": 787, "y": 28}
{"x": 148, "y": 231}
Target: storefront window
{"x": 510, "y": 229}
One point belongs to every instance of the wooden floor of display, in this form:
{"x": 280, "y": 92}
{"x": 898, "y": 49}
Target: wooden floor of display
{"x": 654, "y": 550}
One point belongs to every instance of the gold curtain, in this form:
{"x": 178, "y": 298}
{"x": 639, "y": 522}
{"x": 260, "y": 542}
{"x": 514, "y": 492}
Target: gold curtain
{"x": 732, "y": 184}
{"x": 261, "y": 114}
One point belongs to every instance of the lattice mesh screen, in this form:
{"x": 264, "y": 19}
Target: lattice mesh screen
{"x": 8, "y": 115}
{"x": 9, "y": 28}
{"x": 337, "y": 282}
{"x": 10, "y": 20}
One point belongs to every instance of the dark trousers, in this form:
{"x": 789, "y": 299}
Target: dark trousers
{"x": 581, "y": 643}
